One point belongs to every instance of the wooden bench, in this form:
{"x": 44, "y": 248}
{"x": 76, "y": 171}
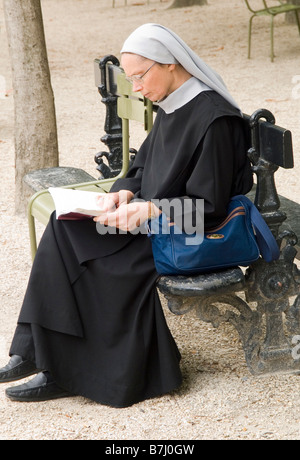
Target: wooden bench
{"x": 262, "y": 302}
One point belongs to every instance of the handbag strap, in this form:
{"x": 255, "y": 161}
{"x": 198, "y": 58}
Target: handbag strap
{"x": 267, "y": 243}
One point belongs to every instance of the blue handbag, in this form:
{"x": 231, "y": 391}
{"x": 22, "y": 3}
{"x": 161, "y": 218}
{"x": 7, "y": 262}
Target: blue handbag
{"x": 238, "y": 241}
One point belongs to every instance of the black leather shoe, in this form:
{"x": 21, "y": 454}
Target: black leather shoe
{"x": 37, "y": 389}
{"x": 17, "y": 369}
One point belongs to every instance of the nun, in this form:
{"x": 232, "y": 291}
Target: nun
{"x": 91, "y": 323}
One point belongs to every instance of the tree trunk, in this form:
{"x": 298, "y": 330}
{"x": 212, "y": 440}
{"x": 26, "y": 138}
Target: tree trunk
{"x": 181, "y": 3}
{"x": 36, "y": 144}
{"x": 290, "y": 17}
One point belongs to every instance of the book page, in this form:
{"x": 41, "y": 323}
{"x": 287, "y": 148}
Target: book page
{"x": 69, "y": 202}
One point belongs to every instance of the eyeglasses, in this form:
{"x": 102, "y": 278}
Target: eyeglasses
{"x": 139, "y": 78}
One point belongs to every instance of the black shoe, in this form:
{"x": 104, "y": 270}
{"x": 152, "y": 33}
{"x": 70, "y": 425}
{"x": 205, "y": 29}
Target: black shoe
{"x": 17, "y": 369}
{"x": 40, "y": 388}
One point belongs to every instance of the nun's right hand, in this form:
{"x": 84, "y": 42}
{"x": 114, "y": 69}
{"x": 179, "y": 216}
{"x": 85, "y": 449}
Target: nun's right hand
{"x": 110, "y": 201}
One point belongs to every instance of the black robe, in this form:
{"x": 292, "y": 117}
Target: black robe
{"x": 91, "y": 313}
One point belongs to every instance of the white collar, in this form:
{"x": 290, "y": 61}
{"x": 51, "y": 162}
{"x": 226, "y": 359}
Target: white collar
{"x": 184, "y": 94}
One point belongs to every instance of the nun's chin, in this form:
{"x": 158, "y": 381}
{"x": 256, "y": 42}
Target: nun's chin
{"x": 161, "y": 100}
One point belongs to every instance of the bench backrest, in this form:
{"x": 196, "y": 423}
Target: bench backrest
{"x": 271, "y": 142}
{"x": 122, "y": 102}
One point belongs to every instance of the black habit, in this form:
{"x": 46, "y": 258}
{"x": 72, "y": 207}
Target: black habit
{"x": 91, "y": 313}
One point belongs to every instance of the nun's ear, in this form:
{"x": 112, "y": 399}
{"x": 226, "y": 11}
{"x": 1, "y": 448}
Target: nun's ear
{"x": 171, "y": 67}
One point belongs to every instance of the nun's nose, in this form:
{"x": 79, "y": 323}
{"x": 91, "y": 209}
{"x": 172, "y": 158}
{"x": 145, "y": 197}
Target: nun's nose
{"x": 137, "y": 86}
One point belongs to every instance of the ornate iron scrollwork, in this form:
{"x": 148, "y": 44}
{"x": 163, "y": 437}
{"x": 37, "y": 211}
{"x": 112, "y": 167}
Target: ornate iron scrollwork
{"x": 113, "y": 124}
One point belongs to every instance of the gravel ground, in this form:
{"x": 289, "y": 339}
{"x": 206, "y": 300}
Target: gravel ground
{"x": 219, "y": 398}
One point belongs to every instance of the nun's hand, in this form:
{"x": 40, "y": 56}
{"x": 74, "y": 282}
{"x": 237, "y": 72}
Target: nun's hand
{"x": 110, "y": 201}
{"x": 126, "y": 217}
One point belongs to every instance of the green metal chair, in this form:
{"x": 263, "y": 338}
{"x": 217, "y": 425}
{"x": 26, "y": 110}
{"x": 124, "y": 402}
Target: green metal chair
{"x": 131, "y": 106}
{"x": 271, "y": 11}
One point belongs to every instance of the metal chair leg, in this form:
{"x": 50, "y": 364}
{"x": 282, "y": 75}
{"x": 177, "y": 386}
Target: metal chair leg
{"x": 297, "y": 20}
{"x": 272, "y": 38}
{"x": 249, "y": 36}
{"x": 32, "y": 235}
{"x": 113, "y": 3}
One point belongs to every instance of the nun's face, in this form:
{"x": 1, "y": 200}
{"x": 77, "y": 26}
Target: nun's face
{"x": 154, "y": 81}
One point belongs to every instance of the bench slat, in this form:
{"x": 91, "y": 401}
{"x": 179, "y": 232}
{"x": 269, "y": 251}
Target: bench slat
{"x": 131, "y": 110}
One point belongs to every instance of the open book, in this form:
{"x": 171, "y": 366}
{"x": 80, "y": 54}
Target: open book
{"x": 75, "y": 204}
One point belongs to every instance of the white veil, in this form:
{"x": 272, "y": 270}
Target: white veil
{"x": 162, "y": 45}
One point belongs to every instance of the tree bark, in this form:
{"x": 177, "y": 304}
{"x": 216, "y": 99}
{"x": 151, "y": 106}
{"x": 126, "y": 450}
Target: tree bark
{"x": 181, "y": 3}
{"x": 36, "y": 144}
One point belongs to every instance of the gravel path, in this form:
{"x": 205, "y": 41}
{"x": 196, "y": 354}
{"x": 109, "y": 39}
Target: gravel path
{"x": 219, "y": 399}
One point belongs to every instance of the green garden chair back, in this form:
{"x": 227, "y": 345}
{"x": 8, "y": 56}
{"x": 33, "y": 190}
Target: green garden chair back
{"x": 132, "y": 106}
{"x": 272, "y": 11}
